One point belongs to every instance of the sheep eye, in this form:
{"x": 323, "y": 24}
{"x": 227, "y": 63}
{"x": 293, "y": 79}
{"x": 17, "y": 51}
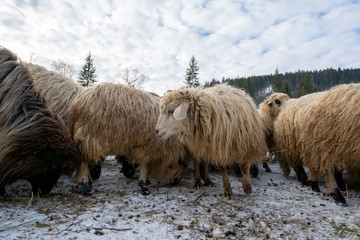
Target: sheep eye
{"x": 170, "y": 112}
{"x": 270, "y": 104}
{"x": 277, "y": 102}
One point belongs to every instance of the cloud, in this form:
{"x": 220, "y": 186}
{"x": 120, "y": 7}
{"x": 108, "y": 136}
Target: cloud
{"x": 228, "y": 38}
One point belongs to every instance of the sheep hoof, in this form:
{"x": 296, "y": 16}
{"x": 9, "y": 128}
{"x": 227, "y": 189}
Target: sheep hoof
{"x": 267, "y": 168}
{"x": 228, "y": 194}
{"x": 254, "y": 171}
{"x": 85, "y": 189}
{"x": 247, "y": 188}
{"x": 144, "y": 190}
{"x": 3, "y": 193}
{"x": 197, "y": 184}
{"x": 339, "y": 199}
{"x": 307, "y": 183}
{"x": 314, "y": 186}
{"x": 208, "y": 183}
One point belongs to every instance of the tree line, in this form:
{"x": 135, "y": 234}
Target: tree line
{"x": 295, "y": 84}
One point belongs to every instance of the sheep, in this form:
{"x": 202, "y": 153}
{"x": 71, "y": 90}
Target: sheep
{"x": 330, "y": 136}
{"x": 281, "y": 119}
{"x": 219, "y": 124}
{"x": 113, "y": 119}
{"x": 50, "y": 84}
{"x": 290, "y": 128}
{"x": 269, "y": 110}
{"x": 34, "y": 143}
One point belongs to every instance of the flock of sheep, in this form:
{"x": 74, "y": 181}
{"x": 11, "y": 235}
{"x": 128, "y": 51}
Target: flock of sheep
{"x": 51, "y": 126}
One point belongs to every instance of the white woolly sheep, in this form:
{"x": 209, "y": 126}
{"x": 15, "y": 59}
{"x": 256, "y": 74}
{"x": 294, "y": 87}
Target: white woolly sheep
{"x": 269, "y": 110}
{"x": 282, "y": 121}
{"x": 219, "y": 124}
{"x": 59, "y": 91}
{"x": 330, "y": 136}
{"x": 113, "y": 119}
{"x": 294, "y": 141}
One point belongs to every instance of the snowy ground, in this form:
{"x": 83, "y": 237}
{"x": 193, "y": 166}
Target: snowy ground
{"x": 279, "y": 208}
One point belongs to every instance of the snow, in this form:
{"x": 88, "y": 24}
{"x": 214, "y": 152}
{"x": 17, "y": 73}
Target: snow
{"x": 278, "y": 208}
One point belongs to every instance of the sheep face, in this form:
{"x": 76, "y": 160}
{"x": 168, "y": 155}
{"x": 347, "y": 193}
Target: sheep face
{"x": 43, "y": 183}
{"x": 171, "y": 120}
{"x": 45, "y": 168}
{"x": 274, "y": 103}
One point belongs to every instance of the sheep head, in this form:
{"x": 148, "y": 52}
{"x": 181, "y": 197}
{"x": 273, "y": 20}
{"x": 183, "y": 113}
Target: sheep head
{"x": 273, "y": 104}
{"x": 269, "y": 110}
{"x": 173, "y": 118}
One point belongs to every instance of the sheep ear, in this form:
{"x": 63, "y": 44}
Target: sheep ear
{"x": 181, "y": 111}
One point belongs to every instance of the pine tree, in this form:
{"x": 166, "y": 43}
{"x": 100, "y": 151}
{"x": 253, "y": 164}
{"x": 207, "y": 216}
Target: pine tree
{"x": 191, "y": 78}
{"x": 277, "y": 82}
{"x": 286, "y": 88}
{"x": 343, "y": 80}
{"x": 306, "y": 85}
{"x": 87, "y": 74}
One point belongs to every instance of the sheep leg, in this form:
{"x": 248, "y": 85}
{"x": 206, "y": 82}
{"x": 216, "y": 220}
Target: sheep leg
{"x": 301, "y": 175}
{"x": 128, "y": 169}
{"x": 339, "y": 180}
{"x": 3, "y": 193}
{"x": 266, "y": 167}
{"x": 245, "y": 168}
{"x": 174, "y": 181}
{"x": 313, "y": 182}
{"x": 254, "y": 170}
{"x": 83, "y": 178}
{"x": 226, "y": 183}
{"x": 143, "y": 179}
{"x": 207, "y": 181}
{"x": 95, "y": 169}
{"x": 284, "y": 166}
{"x": 237, "y": 170}
{"x": 197, "y": 174}
{"x": 333, "y": 189}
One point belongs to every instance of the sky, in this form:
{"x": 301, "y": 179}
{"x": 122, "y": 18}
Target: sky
{"x": 228, "y": 38}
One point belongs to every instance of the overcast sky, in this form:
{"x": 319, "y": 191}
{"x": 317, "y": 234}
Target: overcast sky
{"x": 228, "y": 38}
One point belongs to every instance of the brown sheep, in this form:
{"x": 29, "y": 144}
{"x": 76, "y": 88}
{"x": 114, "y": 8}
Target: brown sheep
{"x": 219, "y": 124}
{"x": 34, "y": 143}
{"x": 113, "y": 119}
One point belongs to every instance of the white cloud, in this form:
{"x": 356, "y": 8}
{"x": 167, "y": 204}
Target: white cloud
{"x": 228, "y": 38}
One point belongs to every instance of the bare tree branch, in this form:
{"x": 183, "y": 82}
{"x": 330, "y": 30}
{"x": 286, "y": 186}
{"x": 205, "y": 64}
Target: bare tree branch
{"x": 132, "y": 77}
{"x": 64, "y": 68}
